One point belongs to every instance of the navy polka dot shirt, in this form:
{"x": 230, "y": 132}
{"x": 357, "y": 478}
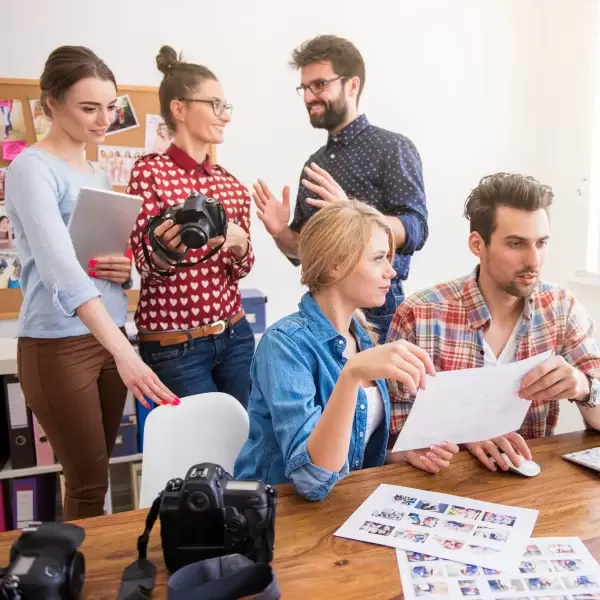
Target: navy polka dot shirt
{"x": 381, "y": 168}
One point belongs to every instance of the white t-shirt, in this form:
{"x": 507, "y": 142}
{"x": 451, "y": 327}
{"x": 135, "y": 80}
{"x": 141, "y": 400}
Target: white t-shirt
{"x": 375, "y": 410}
{"x": 508, "y": 354}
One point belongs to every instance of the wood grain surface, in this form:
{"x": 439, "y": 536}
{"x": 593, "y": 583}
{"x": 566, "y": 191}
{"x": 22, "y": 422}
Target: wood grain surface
{"x": 310, "y": 563}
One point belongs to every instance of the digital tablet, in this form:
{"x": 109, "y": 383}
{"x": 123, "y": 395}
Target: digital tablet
{"x": 101, "y": 223}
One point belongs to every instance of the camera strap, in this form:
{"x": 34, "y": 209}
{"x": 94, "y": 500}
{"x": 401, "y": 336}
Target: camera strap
{"x": 174, "y": 259}
{"x": 228, "y": 577}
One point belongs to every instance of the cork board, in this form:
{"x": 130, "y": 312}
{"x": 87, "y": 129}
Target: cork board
{"x": 144, "y": 101}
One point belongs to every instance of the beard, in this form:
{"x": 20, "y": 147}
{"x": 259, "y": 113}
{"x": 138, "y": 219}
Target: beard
{"x": 522, "y": 290}
{"x": 333, "y": 115}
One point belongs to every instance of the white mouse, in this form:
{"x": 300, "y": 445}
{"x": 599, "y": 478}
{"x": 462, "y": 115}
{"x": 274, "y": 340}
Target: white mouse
{"x": 528, "y": 468}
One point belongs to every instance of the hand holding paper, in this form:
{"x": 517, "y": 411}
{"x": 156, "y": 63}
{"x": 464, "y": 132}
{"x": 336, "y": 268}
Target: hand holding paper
{"x": 469, "y": 405}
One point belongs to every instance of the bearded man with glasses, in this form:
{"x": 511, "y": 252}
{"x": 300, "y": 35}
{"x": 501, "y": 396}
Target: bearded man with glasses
{"x": 359, "y": 160}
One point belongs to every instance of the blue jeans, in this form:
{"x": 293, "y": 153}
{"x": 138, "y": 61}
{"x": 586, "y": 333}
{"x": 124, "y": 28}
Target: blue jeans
{"x": 382, "y": 316}
{"x": 216, "y": 363}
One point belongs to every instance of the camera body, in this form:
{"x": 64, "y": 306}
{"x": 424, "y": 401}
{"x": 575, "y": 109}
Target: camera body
{"x": 209, "y": 514}
{"x": 200, "y": 219}
{"x": 45, "y": 564}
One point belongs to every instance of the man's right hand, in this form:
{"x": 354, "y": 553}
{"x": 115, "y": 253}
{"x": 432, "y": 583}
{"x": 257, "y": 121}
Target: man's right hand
{"x": 512, "y": 444}
{"x": 273, "y": 213}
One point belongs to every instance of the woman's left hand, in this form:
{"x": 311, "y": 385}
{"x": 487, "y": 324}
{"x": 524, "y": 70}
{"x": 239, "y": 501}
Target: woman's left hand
{"x": 111, "y": 268}
{"x": 236, "y": 240}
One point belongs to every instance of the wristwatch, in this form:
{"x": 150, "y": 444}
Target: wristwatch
{"x": 594, "y": 398}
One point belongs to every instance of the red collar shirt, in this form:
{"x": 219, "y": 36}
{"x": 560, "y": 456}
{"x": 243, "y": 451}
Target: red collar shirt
{"x": 191, "y": 296}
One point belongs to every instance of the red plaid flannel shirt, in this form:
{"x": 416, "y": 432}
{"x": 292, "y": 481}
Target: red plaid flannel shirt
{"x": 449, "y": 320}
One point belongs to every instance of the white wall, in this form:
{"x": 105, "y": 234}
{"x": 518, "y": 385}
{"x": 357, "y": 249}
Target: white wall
{"x": 478, "y": 86}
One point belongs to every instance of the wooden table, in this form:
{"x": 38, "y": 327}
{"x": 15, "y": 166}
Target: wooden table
{"x": 310, "y": 563}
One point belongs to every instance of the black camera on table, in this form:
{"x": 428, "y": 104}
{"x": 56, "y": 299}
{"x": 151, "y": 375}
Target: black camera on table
{"x": 45, "y": 564}
{"x": 209, "y": 514}
{"x": 200, "y": 219}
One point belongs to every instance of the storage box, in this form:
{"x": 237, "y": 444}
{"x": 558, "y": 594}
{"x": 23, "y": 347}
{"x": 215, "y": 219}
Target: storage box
{"x": 254, "y": 305}
{"x": 127, "y": 438}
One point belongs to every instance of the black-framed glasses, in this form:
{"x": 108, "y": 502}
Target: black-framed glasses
{"x": 316, "y": 87}
{"x": 218, "y": 106}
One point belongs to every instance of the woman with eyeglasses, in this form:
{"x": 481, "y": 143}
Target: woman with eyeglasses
{"x": 191, "y": 326}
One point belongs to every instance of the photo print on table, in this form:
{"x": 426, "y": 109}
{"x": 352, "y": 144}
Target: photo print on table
{"x": 449, "y": 544}
{"x": 413, "y": 536}
{"x": 424, "y": 571}
{"x": 468, "y": 587}
{"x": 481, "y": 549}
{"x": 506, "y": 585}
{"x": 487, "y": 533}
{"x": 454, "y": 569}
{"x": 464, "y": 513}
{"x": 431, "y": 506}
{"x": 388, "y": 513}
{"x": 377, "y": 528}
{"x": 540, "y": 566}
{"x": 490, "y": 517}
{"x": 458, "y": 526}
{"x": 560, "y": 549}
{"x": 532, "y": 550}
{"x": 575, "y": 597}
{"x": 420, "y": 557}
{"x": 422, "y": 520}
{"x": 539, "y": 584}
{"x": 431, "y": 589}
{"x": 576, "y": 582}
{"x": 567, "y": 564}
{"x": 405, "y": 500}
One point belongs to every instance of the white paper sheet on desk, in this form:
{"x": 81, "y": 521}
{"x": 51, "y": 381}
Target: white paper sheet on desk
{"x": 468, "y": 405}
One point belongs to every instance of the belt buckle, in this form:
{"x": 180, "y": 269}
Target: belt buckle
{"x": 223, "y": 325}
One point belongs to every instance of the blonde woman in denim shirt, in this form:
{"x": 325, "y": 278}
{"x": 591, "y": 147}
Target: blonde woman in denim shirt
{"x": 319, "y": 405}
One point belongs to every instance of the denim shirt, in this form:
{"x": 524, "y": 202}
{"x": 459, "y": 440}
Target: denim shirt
{"x": 41, "y": 191}
{"x": 294, "y": 371}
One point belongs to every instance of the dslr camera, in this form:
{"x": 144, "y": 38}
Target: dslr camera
{"x": 45, "y": 564}
{"x": 209, "y": 514}
{"x": 200, "y": 219}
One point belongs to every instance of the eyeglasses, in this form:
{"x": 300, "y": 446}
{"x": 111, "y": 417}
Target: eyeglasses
{"x": 316, "y": 87}
{"x": 217, "y": 106}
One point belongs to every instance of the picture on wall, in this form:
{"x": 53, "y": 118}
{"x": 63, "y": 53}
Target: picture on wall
{"x": 117, "y": 162}
{"x": 2, "y": 178}
{"x": 158, "y": 138}
{"x": 125, "y": 117}
{"x": 12, "y": 122}
{"x": 6, "y": 232}
{"x": 41, "y": 123}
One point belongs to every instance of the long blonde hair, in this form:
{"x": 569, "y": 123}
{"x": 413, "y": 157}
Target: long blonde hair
{"x": 337, "y": 236}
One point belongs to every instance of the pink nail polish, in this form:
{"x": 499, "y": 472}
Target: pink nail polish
{"x": 93, "y": 262}
{"x": 92, "y": 273}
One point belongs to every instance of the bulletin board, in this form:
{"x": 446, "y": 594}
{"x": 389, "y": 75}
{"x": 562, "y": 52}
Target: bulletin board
{"x": 143, "y": 100}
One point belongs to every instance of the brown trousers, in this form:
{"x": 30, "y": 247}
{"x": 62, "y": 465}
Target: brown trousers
{"x": 74, "y": 389}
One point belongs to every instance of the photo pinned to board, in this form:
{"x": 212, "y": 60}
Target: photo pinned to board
{"x": 117, "y": 162}
{"x": 2, "y": 179}
{"x": 541, "y": 576}
{"x": 429, "y": 528}
{"x": 125, "y": 117}
{"x": 12, "y": 121}
{"x": 41, "y": 122}
{"x": 158, "y": 137}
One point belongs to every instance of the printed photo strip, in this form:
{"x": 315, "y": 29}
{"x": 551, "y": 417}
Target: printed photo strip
{"x": 550, "y": 569}
{"x": 460, "y": 529}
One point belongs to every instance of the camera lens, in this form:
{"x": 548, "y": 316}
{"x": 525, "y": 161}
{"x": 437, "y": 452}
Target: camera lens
{"x": 193, "y": 236}
{"x": 198, "y": 501}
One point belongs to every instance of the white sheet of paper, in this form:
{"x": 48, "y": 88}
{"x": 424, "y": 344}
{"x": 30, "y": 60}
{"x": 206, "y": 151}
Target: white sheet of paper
{"x": 461, "y": 529}
{"x": 551, "y": 569}
{"x": 468, "y": 405}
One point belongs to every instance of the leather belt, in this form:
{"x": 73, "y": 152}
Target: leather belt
{"x": 168, "y": 338}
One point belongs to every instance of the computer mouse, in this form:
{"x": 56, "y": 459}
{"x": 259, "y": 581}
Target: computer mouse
{"x": 528, "y": 468}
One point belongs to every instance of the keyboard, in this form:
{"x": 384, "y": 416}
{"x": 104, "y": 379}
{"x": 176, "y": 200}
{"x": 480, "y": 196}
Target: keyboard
{"x": 587, "y": 458}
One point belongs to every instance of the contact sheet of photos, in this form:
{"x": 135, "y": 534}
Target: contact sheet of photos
{"x": 451, "y": 527}
{"x": 551, "y": 569}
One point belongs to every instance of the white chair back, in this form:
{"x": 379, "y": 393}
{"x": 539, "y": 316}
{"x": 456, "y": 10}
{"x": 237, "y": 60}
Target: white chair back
{"x": 208, "y": 427}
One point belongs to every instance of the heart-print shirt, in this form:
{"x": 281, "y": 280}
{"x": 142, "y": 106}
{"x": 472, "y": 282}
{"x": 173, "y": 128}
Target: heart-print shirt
{"x": 191, "y": 296}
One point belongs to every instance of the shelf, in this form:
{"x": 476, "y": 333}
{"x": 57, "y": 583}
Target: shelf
{"x": 8, "y": 472}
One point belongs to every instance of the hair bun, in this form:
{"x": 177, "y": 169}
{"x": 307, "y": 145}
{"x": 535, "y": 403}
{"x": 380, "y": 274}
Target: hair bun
{"x": 167, "y": 59}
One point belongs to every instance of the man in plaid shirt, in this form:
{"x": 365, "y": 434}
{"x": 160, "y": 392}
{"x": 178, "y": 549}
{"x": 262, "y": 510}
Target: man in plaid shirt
{"x": 502, "y": 312}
